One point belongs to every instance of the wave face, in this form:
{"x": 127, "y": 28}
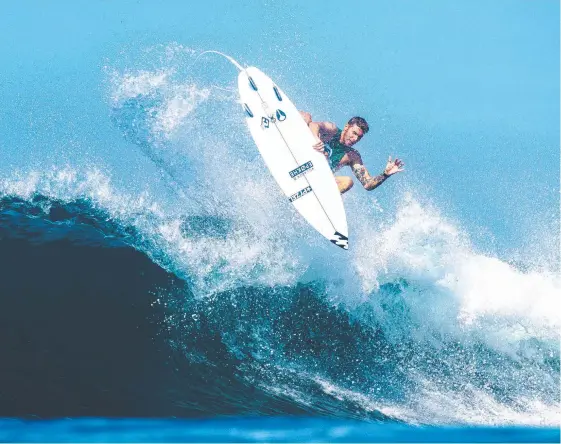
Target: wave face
{"x": 165, "y": 283}
{"x": 95, "y": 324}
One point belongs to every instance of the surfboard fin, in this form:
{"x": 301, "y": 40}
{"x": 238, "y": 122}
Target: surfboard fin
{"x": 340, "y": 240}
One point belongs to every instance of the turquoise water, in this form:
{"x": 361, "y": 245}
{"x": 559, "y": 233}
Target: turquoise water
{"x": 258, "y": 430}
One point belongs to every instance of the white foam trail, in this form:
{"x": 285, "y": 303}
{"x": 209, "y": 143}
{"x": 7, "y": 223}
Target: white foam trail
{"x": 474, "y": 406}
{"x": 182, "y": 102}
{"x": 129, "y": 85}
{"x": 434, "y": 406}
{"x": 176, "y": 100}
{"x": 367, "y": 403}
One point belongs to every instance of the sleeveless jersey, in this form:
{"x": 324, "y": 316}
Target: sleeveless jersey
{"x": 335, "y": 150}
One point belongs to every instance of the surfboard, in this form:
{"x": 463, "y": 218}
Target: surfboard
{"x": 285, "y": 144}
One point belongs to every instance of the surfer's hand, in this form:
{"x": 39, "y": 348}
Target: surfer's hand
{"x": 392, "y": 167}
{"x": 319, "y": 146}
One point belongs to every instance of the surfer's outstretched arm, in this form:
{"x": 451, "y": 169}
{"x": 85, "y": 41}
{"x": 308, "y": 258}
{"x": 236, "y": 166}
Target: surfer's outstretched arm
{"x": 371, "y": 182}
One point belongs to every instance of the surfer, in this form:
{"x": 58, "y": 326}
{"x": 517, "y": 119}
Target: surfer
{"x": 337, "y": 145}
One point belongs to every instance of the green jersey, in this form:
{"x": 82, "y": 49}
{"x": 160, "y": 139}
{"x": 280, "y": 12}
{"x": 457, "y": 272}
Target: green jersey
{"x": 336, "y": 150}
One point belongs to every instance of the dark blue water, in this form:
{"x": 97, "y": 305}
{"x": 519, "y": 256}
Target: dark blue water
{"x": 83, "y": 334}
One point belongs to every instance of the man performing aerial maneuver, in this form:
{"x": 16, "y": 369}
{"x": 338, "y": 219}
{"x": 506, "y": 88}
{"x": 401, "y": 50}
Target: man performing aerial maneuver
{"x": 284, "y": 137}
{"x": 337, "y": 146}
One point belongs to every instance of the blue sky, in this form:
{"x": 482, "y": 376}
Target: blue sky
{"x": 466, "y": 92}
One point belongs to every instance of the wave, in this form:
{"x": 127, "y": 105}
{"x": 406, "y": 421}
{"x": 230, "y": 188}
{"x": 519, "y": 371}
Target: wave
{"x": 77, "y": 296}
{"x": 83, "y": 295}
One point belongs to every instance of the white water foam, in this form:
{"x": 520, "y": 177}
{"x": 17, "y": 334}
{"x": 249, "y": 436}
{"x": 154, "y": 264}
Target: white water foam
{"x": 434, "y": 406}
{"x": 475, "y": 406}
{"x": 462, "y": 288}
{"x": 179, "y": 99}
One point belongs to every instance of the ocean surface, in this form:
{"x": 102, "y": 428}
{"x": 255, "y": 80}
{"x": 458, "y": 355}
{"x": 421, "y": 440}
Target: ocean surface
{"x": 156, "y": 286}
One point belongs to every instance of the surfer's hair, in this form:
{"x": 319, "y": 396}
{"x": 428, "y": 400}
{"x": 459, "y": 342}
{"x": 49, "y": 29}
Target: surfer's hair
{"x": 360, "y": 122}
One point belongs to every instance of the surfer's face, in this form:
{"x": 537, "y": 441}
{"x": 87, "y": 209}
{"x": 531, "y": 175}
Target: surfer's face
{"x": 351, "y": 135}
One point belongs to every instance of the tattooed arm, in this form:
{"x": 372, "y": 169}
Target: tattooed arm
{"x": 370, "y": 182}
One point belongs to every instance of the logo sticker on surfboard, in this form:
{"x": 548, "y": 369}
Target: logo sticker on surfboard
{"x": 280, "y": 115}
{"x": 264, "y": 123}
{"x": 297, "y": 172}
{"x": 300, "y": 193}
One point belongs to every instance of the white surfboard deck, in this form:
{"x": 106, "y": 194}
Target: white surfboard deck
{"x": 285, "y": 143}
